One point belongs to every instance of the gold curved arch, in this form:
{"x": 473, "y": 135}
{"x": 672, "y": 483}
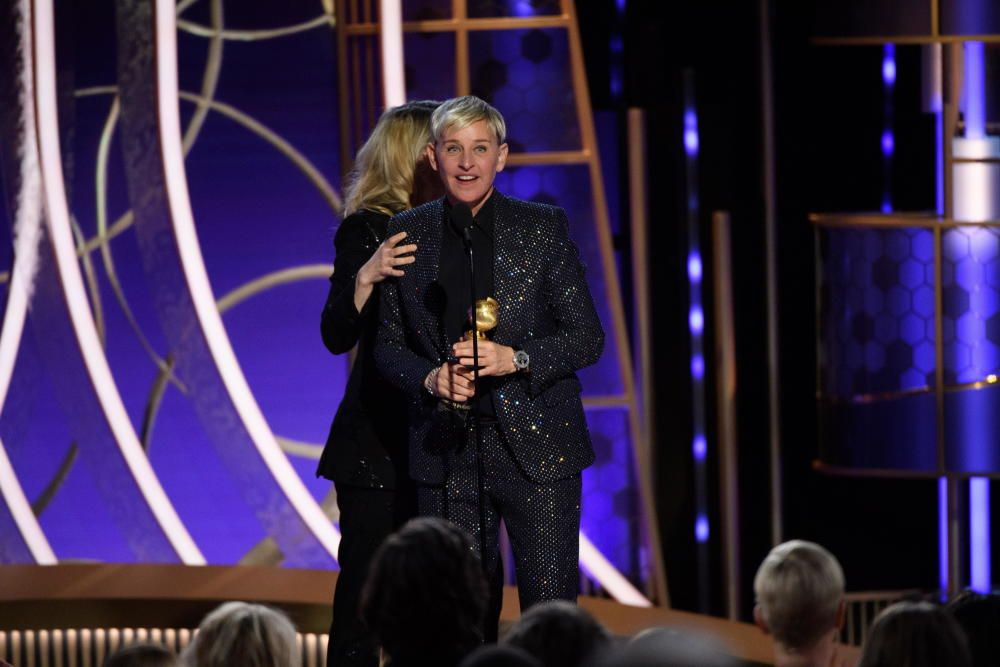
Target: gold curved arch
{"x": 311, "y": 172}
{"x": 199, "y": 30}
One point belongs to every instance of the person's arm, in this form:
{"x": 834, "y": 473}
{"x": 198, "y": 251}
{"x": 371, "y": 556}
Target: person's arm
{"x": 396, "y": 362}
{"x": 356, "y": 272}
{"x": 579, "y": 338}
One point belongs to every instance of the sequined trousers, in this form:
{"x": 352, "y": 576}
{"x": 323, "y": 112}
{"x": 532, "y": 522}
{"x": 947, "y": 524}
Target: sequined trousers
{"x": 542, "y": 520}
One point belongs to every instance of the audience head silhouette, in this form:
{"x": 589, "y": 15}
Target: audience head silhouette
{"x": 915, "y": 634}
{"x": 249, "y": 635}
{"x": 425, "y": 597}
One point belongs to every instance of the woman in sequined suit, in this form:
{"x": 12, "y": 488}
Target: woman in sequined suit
{"x": 533, "y": 440}
{"x": 366, "y": 454}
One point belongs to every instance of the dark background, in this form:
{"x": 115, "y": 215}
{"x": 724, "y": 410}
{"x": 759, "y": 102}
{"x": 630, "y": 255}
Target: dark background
{"x": 828, "y": 115}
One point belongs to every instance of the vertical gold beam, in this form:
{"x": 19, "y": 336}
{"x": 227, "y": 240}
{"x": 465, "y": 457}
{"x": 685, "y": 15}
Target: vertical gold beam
{"x": 585, "y": 120}
{"x": 644, "y": 438}
{"x": 463, "y": 81}
{"x": 935, "y": 18}
{"x": 639, "y": 226}
{"x": 725, "y": 364}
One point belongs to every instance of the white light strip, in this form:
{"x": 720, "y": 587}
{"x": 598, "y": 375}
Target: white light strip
{"x": 24, "y": 517}
{"x": 27, "y": 234}
{"x": 200, "y": 288}
{"x": 391, "y": 33}
{"x": 610, "y": 579}
{"x": 58, "y": 224}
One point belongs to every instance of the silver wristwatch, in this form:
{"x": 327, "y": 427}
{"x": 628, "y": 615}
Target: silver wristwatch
{"x": 521, "y": 360}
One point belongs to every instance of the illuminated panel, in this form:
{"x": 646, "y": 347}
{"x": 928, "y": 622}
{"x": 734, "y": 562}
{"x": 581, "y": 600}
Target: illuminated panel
{"x": 183, "y": 295}
{"x": 119, "y": 444}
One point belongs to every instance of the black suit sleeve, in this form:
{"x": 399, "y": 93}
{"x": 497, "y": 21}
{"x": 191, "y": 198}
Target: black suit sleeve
{"x": 395, "y": 360}
{"x": 341, "y": 323}
{"x": 579, "y": 337}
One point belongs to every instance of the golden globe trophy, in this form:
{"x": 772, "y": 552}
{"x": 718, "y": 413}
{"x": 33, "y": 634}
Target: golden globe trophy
{"x": 487, "y": 312}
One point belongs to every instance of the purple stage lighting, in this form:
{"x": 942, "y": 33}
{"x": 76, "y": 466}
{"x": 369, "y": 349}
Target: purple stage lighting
{"x": 888, "y": 143}
{"x": 696, "y": 320}
{"x": 690, "y": 132}
{"x": 694, "y": 267}
{"x": 697, "y": 367}
{"x": 889, "y": 65}
{"x": 701, "y": 528}
{"x": 699, "y": 447}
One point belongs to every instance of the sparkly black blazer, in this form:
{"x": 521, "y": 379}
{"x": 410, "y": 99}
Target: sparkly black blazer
{"x": 367, "y": 444}
{"x": 545, "y": 309}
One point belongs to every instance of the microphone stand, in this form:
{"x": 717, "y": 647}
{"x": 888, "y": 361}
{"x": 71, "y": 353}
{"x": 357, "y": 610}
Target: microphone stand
{"x": 474, "y": 412}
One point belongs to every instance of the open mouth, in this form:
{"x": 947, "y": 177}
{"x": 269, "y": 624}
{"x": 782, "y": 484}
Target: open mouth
{"x": 466, "y": 178}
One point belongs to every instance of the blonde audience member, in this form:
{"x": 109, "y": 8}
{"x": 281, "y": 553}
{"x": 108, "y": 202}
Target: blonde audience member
{"x": 244, "y": 634}
{"x": 800, "y": 602}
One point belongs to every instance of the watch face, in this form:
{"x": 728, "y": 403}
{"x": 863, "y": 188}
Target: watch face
{"x": 521, "y": 359}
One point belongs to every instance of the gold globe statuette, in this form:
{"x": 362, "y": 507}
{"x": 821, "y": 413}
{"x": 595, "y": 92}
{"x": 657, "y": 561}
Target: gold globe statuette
{"x": 487, "y": 313}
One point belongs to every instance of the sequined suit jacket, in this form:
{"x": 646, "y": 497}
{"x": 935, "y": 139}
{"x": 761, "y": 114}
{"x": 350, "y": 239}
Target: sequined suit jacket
{"x": 545, "y": 309}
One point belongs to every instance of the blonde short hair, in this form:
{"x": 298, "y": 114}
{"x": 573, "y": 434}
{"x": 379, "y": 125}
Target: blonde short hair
{"x": 382, "y": 177}
{"x": 249, "y": 635}
{"x": 799, "y": 588}
{"x": 460, "y": 112}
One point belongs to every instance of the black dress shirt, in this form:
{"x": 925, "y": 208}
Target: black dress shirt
{"x": 454, "y": 279}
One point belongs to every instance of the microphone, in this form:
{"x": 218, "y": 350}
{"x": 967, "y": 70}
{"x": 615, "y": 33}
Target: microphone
{"x": 461, "y": 222}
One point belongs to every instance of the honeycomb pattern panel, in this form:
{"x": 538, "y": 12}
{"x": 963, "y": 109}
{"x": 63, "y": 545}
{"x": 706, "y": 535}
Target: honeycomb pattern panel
{"x": 569, "y": 187}
{"x": 610, "y": 509}
{"x": 513, "y": 8}
{"x": 526, "y": 75}
{"x": 970, "y": 278}
{"x": 423, "y": 82}
{"x": 876, "y": 328}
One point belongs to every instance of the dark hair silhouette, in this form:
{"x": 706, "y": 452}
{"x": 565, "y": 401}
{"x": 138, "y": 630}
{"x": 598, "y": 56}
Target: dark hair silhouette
{"x": 915, "y": 634}
{"x": 425, "y": 597}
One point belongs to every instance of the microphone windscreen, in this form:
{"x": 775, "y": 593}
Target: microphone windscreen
{"x": 461, "y": 217}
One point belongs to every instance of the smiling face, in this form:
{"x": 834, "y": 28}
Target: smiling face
{"x": 467, "y": 160}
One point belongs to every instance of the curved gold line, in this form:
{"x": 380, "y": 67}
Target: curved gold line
{"x": 305, "y": 450}
{"x": 164, "y": 377}
{"x": 209, "y": 80}
{"x": 255, "y": 35}
{"x": 265, "y": 133}
{"x": 92, "y": 287}
{"x": 289, "y": 151}
{"x": 284, "y": 276}
{"x": 49, "y": 492}
{"x": 101, "y": 197}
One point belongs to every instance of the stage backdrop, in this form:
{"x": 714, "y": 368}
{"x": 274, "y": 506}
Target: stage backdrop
{"x": 190, "y": 428}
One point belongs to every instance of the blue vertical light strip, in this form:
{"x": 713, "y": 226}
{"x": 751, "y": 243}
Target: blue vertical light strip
{"x": 888, "y": 136}
{"x": 974, "y": 110}
{"x": 974, "y": 113}
{"x": 979, "y": 534}
{"x": 696, "y": 329}
{"x": 616, "y": 48}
